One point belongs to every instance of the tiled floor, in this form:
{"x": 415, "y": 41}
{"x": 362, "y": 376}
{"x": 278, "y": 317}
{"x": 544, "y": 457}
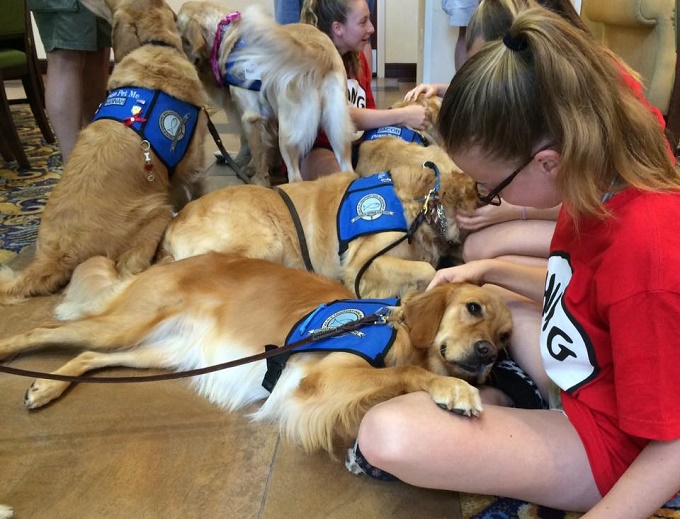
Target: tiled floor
{"x": 157, "y": 450}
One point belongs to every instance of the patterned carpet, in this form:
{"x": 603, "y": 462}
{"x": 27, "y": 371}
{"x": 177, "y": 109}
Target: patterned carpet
{"x": 23, "y": 193}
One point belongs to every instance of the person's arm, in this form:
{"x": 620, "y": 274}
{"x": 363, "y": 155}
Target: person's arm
{"x": 525, "y": 280}
{"x": 491, "y": 214}
{"x": 413, "y": 116}
{"x": 652, "y": 479}
{"x": 428, "y": 90}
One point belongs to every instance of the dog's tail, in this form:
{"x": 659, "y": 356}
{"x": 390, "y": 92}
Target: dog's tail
{"x": 41, "y": 277}
{"x": 293, "y": 56}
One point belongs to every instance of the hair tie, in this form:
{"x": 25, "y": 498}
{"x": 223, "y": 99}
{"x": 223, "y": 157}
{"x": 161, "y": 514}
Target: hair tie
{"x": 516, "y": 43}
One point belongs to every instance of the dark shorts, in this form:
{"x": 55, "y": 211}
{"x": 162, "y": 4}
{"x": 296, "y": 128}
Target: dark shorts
{"x": 67, "y": 24}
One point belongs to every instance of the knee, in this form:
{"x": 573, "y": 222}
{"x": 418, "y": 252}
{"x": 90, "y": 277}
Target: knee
{"x": 474, "y": 248}
{"x": 384, "y": 438}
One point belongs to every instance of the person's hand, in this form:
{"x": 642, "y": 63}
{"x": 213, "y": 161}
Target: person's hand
{"x": 488, "y": 215}
{"x": 414, "y": 116}
{"x": 423, "y": 88}
{"x": 472, "y": 272}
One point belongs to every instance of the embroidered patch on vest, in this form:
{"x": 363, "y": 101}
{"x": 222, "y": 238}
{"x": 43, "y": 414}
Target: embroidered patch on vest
{"x": 166, "y": 122}
{"x": 401, "y": 132}
{"x": 369, "y": 206}
{"x": 371, "y": 342}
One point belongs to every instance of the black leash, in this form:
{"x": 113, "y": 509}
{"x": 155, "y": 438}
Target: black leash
{"x": 225, "y": 154}
{"x": 270, "y": 351}
{"x": 298, "y": 229}
{"x": 409, "y": 234}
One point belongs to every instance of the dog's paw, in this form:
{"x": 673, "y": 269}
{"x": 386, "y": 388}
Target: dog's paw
{"x": 42, "y": 392}
{"x": 457, "y": 396}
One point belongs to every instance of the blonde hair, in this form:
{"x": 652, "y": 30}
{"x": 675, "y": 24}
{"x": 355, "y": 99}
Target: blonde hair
{"x": 321, "y": 14}
{"x": 492, "y": 18}
{"x": 561, "y": 88}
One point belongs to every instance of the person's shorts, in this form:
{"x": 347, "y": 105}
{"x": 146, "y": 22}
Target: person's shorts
{"x": 459, "y": 11}
{"x": 67, "y": 24}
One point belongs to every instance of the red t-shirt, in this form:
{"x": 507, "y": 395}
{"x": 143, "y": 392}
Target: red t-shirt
{"x": 611, "y": 327}
{"x": 359, "y": 94}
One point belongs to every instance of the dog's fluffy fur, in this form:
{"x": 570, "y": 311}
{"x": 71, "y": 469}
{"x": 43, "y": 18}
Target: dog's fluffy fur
{"x": 215, "y": 308}
{"x": 304, "y": 84}
{"x": 104, "y": 204}
{"x": 388, "y": 152}
{"x": 254, "y": 221}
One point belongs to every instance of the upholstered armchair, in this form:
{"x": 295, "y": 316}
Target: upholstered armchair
{"x": 643, "y": 33}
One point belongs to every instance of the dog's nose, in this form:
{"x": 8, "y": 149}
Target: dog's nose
{"x": 486, "y": 352}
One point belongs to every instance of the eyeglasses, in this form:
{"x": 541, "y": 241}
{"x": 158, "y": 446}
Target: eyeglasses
{"x": 492, "y": 196}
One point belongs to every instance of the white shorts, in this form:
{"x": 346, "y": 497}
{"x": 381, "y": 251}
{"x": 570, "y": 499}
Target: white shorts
{"x": 459, "y": 11}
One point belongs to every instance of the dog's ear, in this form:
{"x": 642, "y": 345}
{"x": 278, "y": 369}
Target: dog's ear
{"x": 422, "y": 312}
{"x": 193, "y": 33}
{"x": 124, "y": 35}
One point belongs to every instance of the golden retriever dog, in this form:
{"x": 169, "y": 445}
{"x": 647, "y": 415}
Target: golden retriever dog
{"x": 215, "y": 308}
{"x": 118, "y": 190}
{"x": 382, "y": 151}
{"x": 267, "y": 75}
{"x": 255, "y": 221}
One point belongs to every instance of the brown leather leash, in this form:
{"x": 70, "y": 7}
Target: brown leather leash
{"x": 374, "y": 318}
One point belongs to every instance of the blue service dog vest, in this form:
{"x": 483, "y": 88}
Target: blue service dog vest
{"x": 166, "y": 122}
{"x": 371, "y": 341}
{"x": 401, "y": 132}
{"x": 247, "y": 76}
{"x": 369, "y": 206}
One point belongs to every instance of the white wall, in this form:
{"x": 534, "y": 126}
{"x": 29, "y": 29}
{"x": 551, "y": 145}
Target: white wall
{"x": 436, "y": 63}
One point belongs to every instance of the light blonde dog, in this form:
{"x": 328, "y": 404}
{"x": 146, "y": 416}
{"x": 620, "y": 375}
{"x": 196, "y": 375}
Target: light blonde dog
{"x": 303, "y": 82}
{"x": 387, "y": 152}
{"x": 254, "y": 221}
{"x": 110, "y": 200}
{"x": 216, "y": 308}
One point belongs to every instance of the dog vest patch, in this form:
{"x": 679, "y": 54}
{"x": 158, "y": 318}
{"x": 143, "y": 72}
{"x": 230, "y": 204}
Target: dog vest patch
{"x": 166, "y": 122}
{"x": 369, "y": 206}
{"x": 242, "y": 73}
{"x": 401, "y": 132}
{"x": 371, "y": 341}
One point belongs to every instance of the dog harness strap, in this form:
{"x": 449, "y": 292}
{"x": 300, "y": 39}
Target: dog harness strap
{"x": 401, "y": 132}
{"x": 166, "y": 122}
{"x": 304, "y": 251}
{"x": 369, "y": 206}
{"x": 217, "y": 41}
{"x": 370, "y": 341}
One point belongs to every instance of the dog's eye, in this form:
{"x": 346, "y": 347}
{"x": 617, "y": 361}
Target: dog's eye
{"x": 505, "y": 337}
{"x": 474, "y": 309}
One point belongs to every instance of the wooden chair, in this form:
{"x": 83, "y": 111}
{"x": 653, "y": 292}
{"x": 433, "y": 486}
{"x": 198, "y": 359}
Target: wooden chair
{"x": 19, "y": 61}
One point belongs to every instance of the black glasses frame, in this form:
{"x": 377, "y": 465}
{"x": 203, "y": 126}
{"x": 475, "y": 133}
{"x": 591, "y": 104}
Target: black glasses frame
{"x": 493, "y": 197}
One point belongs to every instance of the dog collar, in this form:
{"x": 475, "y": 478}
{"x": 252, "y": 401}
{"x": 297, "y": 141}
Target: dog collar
{"x": 221, "y": 27}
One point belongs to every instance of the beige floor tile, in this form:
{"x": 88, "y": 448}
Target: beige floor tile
{"x": 316, "y": 486}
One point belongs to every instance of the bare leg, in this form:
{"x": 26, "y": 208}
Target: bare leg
{"x": 95, "y": 77}
{"x": 535, "y": 456}
{"x": 71, "y": 97}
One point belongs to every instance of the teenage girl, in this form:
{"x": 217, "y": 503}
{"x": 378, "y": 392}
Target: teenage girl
{"x": 542, "y": 118}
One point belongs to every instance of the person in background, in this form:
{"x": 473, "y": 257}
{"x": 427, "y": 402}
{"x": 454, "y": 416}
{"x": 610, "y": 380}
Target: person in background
{"x": 348, "y": 24}
{"x": 459, "y": 12}
{"x": 539, "y": 118}
{"x": 78, "y": 49}
{"x": 288, "y": 11}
